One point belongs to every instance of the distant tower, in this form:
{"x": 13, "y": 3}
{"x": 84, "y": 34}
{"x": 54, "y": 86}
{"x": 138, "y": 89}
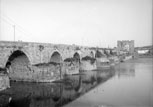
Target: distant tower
{"x": 125, "y": 46}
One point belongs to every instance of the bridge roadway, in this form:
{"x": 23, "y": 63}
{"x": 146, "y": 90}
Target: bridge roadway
{"x": 23, "y": 59}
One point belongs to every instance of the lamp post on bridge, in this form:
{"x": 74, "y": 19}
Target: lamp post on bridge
{"x": 14, "y": 31}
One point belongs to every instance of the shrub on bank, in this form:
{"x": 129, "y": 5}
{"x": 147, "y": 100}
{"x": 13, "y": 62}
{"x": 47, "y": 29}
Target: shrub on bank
{"x": 69, "y": 60}
{"x": 47, "y": 64}
{"x": 86, "y": 58}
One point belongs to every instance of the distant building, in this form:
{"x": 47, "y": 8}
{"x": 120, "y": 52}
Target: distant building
{"x": 125, "y": 47}
{"x": 143, "y": 51}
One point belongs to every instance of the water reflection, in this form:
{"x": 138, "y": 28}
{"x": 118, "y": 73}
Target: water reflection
{"x": 125, "y": 70}
{"x": 23, "y": 94}
{"x": 132, "y": 86}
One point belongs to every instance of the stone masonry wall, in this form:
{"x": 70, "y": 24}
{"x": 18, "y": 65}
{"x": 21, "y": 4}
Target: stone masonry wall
{"x": 4, "y": 82}
{"x": 23, "y": 67}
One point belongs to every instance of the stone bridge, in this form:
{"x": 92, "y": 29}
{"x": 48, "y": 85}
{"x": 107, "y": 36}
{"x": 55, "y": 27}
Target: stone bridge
{"x": 28, "y": 54}
{"x": 41, "y": 52}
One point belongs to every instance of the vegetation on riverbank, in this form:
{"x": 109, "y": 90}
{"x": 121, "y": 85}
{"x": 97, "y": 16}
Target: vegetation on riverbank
{"x": 88, "y": 58}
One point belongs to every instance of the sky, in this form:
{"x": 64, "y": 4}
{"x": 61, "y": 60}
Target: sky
{"x": 82, "y": 22}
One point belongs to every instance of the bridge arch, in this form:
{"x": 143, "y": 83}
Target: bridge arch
{"x": 18, "y": 65}
{"x": 92, "y": 54}
{"x": 77, "y": 56}
{"x": 56, "y": 57}
{"x": 17, "y": 54}
{"x": 98, "y": 54}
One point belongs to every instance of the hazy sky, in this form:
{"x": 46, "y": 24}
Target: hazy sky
{"x": 82, "y": 22}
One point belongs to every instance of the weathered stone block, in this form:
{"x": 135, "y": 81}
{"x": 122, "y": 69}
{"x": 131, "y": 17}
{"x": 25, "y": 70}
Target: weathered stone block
{"x": 4, "y": 82}
{"x": 71, "y": 67}
{"x": 87, "y": 65}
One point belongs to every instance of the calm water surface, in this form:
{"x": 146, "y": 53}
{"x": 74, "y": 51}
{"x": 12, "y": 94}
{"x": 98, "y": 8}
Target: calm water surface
{"x": 127, "y": 84}
{"x": 132, "y": 85}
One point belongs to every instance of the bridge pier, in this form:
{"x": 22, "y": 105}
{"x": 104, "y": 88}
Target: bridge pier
{"x": 4, "y": 82}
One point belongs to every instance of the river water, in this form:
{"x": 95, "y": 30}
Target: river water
{"x": 132, "y": 85}
{"x": 127, "y": 84}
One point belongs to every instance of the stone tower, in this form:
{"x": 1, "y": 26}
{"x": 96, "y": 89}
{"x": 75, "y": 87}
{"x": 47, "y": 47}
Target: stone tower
{"x": 125, "y": 46}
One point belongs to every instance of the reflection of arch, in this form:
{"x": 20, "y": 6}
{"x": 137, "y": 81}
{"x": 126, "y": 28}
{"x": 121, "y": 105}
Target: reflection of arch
{"x": 76, "y": 56}
{"x": 56, "y": 57}
{"x": 18, "y": 59}
{"x": 79, "y": 86}
{"x": 58, "y": 95}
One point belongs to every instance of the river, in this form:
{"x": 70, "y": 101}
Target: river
{"x": 132, "y": 85}
{"x": 127, "y": 84}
